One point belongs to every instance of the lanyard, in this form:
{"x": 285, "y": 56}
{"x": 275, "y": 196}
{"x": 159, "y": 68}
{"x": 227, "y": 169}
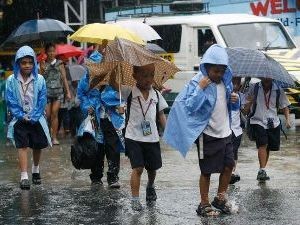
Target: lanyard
{"x": 24, "y": 90}
{"x": 267, "y": 102}
{"x": 144, "y": 114}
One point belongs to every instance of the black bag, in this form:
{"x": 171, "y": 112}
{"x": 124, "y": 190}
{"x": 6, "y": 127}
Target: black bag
{"x": 85, "y": 152}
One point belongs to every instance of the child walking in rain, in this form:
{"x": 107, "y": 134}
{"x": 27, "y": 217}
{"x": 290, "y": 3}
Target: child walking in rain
{"x": 144, "y": 106}
{"x": 237, "y": 131}
{"x": 26, "y": 100}
{"x": 203, "y": 108}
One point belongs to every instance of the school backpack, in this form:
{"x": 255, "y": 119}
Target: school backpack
{"x": 54, "y": 80}
{"x": 249, "y": 128}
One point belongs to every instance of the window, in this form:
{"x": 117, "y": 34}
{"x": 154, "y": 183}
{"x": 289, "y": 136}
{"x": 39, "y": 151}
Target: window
{"x": 171, "y": 37}
{"x": 205, "y": 39}
{"x": 267, "y": 36}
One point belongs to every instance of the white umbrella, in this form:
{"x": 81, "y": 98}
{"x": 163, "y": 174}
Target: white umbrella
{"x": 146, "y": 32}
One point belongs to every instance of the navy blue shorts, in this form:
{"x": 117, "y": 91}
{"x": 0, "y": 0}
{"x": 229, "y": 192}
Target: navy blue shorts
{"x": 217, "y": 154}
{"x": 143, "y": 154}
{"x": 28, "y": 135}
{"x": 236, "y": 142}
{"x": 269, "y": 137}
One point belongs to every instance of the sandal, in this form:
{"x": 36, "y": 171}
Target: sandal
{"x": 222, "y": 205}
{"x": 206, "y": 211}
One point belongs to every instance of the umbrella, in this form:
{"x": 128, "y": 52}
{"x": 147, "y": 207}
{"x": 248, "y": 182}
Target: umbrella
{"x": 97, "y": 32}
{"x": 128, "y": 54}
{"x": 39, "y": 29}
{"x": 254, "y": 63}
{"x": 146, "y": 32}
{"x": 67, "y": 51}
{"x": 155, "y": 48}
{"x": 76, "y": 72}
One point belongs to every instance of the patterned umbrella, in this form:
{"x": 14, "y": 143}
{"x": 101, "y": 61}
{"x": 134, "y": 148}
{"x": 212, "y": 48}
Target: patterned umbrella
{"x": 122, "y": 55}
{"x": 254, "y": 63}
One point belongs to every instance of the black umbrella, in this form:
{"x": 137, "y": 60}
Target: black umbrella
{"x": 246, "y": 62}
{"x": 39, "y": 29}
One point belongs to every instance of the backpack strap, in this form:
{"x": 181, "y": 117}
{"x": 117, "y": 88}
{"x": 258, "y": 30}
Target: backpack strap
{"x": 127, "y": 113}
{"x": 256, "y": 87}
{"x": 128, "y": 106}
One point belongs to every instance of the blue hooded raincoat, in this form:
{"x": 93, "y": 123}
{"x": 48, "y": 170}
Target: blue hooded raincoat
{"x": 193, "y": 107}
{"x": 13, "y": 97}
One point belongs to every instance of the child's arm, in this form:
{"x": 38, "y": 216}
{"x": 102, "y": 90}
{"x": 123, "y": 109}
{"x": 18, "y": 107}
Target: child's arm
{"x": 195, "y": 96}
{"x": 64, "y": 78}
{"x": 162, "y": 119}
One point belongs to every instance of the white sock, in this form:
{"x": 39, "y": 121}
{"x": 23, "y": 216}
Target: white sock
{"x": 35, "y": 169}
{"x": 24, "y": 175}
{"x": 262, "y": 169}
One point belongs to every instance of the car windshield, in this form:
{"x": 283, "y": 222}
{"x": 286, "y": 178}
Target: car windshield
{"x": 263, "y": 36}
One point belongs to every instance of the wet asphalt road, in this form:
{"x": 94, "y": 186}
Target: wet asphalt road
{"x": 66, "y": 196}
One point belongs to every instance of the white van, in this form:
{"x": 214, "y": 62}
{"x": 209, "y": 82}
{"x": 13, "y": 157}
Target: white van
{"x": 186, "y": 37}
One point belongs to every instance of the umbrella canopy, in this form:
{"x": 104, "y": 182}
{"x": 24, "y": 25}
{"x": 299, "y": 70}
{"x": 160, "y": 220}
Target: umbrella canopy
{"x": 122, "y": 55}
{"x": 97, "y": 32}
{"x": 155, "y": 48}
{"x": 67, "y": 51}
{"x": 39, "y": 29}
{"x": 254, "y": 63}
{"x": 76, "y": 72}
{"x": 146, "y": 32}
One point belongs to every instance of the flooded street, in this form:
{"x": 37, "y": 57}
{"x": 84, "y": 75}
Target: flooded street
{"x": 67, "y": 197}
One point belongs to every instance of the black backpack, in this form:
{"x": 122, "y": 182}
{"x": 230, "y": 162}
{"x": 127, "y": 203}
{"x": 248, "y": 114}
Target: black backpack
{"x": 85, "y": 152}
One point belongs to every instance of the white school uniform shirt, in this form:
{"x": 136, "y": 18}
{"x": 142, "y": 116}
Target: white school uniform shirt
{"x": 236, "y": 117}
{"x": 29, "y": 92}
{"x": 218, "y": 124}
{"x": 262, "y": 113}
{"x": 134, "y": 129}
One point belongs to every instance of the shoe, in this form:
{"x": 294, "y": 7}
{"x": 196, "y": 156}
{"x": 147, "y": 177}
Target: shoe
{"x": 262, "y": 176}
{"x": 206, "y": 211}
{"x": 115, "y": 184}
{"x": 24, "y": 184}
{"x": 113, "y": 181}
{"x": 36, "y": 178}
{"x": 222, "y": 205}
{"x": 55, "y": 142}
{"x": 234, "y": 178}
{"x": 97, "y": 182}
{"x": 136, "y": 205}
{"x": 151, "y": 194}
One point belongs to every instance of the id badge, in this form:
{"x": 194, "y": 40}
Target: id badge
{"x": 26, "y": 106}
{"x": 146, "y": 128}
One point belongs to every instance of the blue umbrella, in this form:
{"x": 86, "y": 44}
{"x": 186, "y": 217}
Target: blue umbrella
{"x": 39, "y": 29}
{"x": 246, "y": 62}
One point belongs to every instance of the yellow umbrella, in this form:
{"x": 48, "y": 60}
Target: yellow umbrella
{"x": 96, "y": 32}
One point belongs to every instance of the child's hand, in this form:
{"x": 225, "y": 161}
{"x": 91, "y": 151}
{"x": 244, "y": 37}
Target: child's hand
{"x": 90, "y": 110}
{"x": 121, "y": 109}
{"x": 204, "y": 82}
{"x": 234, "y": 97}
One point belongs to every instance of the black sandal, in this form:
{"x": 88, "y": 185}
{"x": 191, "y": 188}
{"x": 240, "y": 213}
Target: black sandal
{"x": 222, "y": 205}
{"x": 206, "y": 211}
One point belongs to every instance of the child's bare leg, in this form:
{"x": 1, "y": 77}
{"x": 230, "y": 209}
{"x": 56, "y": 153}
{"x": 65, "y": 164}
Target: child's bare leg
{"x": 135, "y": 181}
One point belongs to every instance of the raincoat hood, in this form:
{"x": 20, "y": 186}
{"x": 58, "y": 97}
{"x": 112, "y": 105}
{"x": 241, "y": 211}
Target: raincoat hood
{"x": 21, "y": 53}
{"x": 216, "y": 55}
{"x": 96, "y": 57}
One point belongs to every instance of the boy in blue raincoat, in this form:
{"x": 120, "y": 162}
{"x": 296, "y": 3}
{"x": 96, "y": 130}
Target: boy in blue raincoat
{"x": 203, "y": 108}
{"x": 26, "y": 100}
